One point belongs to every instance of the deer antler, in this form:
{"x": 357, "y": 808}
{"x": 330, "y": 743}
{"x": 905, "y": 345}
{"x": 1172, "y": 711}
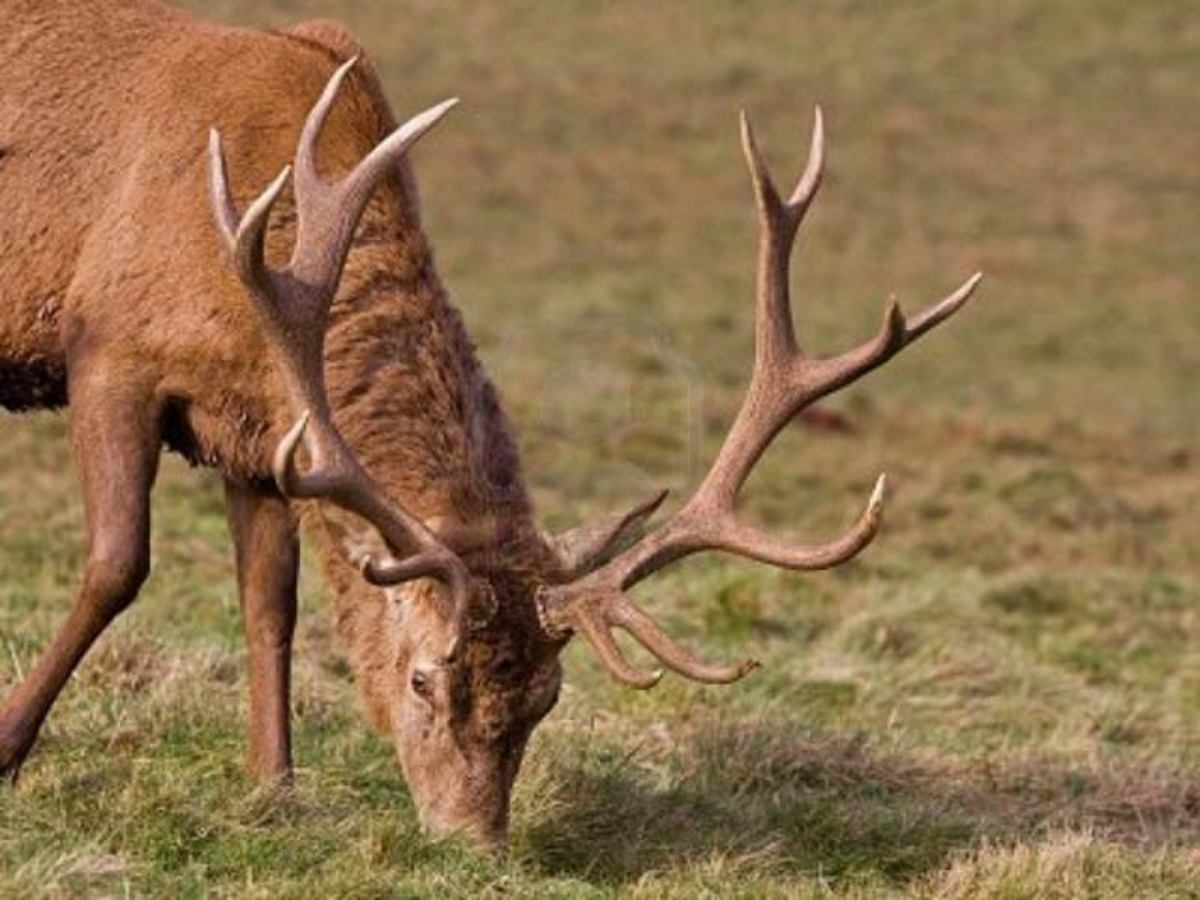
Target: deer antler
{"x": 784, "y": 381}
{"x": 294, "y": 304}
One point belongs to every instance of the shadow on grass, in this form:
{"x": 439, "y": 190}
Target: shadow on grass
{"x": 763, "y": 798}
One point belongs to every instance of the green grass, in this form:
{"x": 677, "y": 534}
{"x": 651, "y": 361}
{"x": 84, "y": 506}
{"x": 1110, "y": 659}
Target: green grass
{"x": 1001, "y": 698}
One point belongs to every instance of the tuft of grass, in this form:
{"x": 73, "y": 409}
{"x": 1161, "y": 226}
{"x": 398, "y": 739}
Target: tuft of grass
{"x": 998, "y": 699}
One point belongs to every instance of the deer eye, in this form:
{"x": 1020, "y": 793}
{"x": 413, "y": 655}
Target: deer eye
{"x": 422, "y": 685}
{"x": 505, "y": 669}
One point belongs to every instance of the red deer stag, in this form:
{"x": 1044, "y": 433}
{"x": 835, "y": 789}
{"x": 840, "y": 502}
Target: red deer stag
{"x": 120, "y": 297}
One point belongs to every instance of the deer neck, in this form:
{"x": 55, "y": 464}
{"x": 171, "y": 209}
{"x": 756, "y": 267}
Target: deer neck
{"x": 413, "y": 402}
{"x": 409, "y": 394}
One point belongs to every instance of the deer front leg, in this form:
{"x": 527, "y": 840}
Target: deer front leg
{"x": 115, "y": 438}
{"x": 268, "y": 556}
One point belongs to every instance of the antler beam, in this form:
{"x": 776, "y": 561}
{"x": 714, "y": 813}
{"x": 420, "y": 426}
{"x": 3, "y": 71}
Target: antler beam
{"x": 293, "y": 305}
{"x": 783, "y": 382}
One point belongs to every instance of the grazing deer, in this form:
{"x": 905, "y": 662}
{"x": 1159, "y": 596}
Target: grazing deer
{"x": 120, "y": 297}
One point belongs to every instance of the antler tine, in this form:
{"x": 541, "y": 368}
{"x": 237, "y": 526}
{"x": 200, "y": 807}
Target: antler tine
{"x": 245, "y": 237}
{"x": 783, "y": 382}
{"x": 597, "y": 631}
{"x": 775, "y": 337}
{"x": 329, "y": 211}
{"x": 772, "y": 398}
{"x": 806, "y": 188}
{"x": 583, "y": 548}
{"x": 651, "y": 635}
{"x": 827, "y": 375}
{"x": 595, "y": 619}
{"x": 814, "y": 170}
{"x": 218, "y": 183}
{"x": 321, "y": 480}
{"x": 293, "y": 316}
{"x": 734, "y": 536}
{"x": 294, "y": 308}
{"x": 345, "y": 484}
{"x": 306, "y": 147}
{"x": 366, "y": 177}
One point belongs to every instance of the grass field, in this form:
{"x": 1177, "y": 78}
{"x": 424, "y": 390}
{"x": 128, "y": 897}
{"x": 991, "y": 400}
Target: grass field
{"x": 1001, "y": 698}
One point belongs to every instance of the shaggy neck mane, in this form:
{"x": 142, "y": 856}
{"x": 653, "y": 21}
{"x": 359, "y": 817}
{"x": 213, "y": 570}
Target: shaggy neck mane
{"x": 413, "y": 401}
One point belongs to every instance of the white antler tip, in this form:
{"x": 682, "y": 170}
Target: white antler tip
{"x": 411, "y": 131}
{"x": 877, "y": 495}
{"x": 295, "y": 433}
{"x": 216, "y": 163}
{"x": 444, "y": 107}
{"x": 255, "y": 219}
{"x": 758, "y": 169}
{"x": 218, "y": 180}
{"x": 283, "y": 466}
{"x": 964, "y": 293}
{"x": 747, "y": 129}
{"x": 279, "y": 183}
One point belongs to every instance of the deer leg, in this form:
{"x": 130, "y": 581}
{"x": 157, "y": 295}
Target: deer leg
{"x": 268, "y": 557}
{"x": 115, "y": 439}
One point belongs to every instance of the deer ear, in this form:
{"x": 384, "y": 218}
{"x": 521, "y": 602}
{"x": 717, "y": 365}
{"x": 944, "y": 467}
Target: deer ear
{"x": 588, "y": 546}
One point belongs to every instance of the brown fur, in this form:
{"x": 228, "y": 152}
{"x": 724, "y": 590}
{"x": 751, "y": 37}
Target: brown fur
{"x": 117, "y": 296}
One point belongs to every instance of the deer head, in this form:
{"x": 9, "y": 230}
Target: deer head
{"x": 475, "y": 637}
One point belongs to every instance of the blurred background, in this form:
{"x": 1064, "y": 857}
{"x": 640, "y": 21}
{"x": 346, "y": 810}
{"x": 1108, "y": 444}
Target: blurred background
{"x": 1002, "y": 694}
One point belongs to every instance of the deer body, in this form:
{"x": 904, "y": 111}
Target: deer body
{"x": 109, "y": 240}
{"x": 115, "y": 291}
{"x": 135, "y": 288}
